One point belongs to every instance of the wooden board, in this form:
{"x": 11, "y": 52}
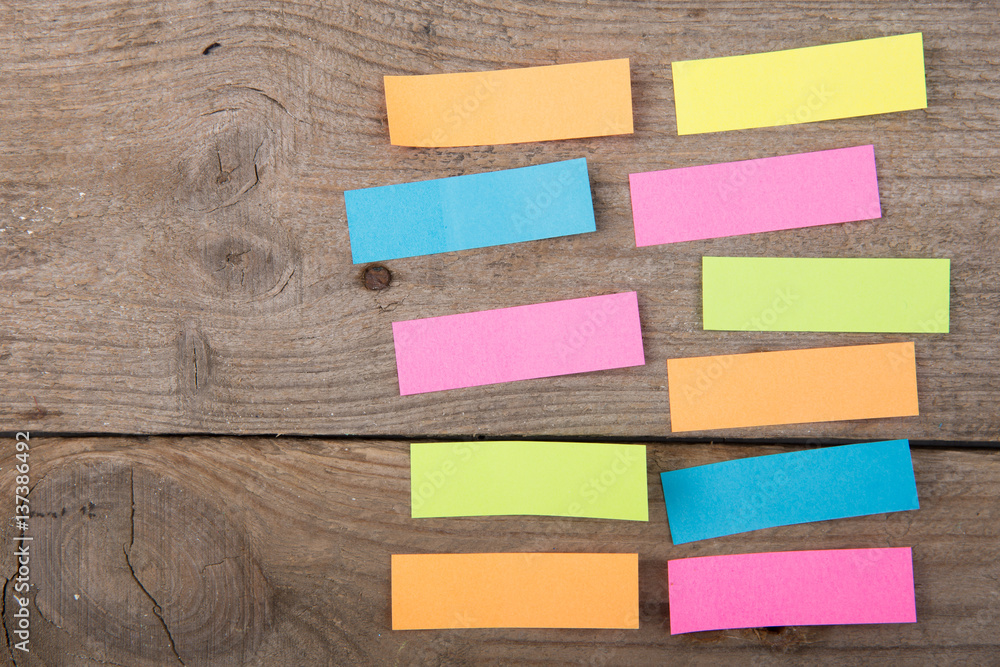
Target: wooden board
{"x": 253, "y": 551}
{"x": 174, "y": 254}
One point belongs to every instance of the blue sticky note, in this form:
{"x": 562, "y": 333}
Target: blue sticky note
{"x": 470, "y": 211}
{"x": 784, "y": 489}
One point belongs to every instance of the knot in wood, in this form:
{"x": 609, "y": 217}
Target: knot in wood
{"x": 145, "y": 568}
{"x": 251, "y": 262}
{"x": 377, "y": 278}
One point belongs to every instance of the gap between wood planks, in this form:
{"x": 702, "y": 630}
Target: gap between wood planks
{"x": 644, "y": 440}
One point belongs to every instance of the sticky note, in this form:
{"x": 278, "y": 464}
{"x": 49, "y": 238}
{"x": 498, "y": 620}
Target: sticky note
{"x": 792, "y": 386}
{"x": 784, "y": 489}
{"x": 806, "y": 85}
{"x": 826, "y": 294}
{"x": 515, "y": 590}
{"x": 510, "y": 106}
{"x": 470, "y": 211}
{"x": 751, "y": 196}
{"x": 524, "y": 342}
{"x": 600, "y": 481}
{"x": 829, "y": 587}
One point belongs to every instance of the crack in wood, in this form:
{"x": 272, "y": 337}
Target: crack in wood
{"x": 42, "y": 616}
{"x": 221, "y": 562}
{"x": 222, "y": 110}
{"x": 157, "y": 609}
{"x": 281, "y": 284}
{"x": 235, "y": 199}
{"x": 274, "y": 101}
{"x": 194, "y": 362}
{"x": 3, "y": 616}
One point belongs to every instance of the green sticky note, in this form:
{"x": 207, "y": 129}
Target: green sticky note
{"x": 591, "y": 480}
{"x": 812, "y": 294}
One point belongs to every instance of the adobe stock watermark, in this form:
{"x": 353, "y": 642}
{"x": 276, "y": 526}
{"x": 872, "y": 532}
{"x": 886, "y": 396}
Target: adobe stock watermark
{"x": 782, "y": 301}
{"x": 613, "y": 125}
{"x": 423, "y": 489}
{"x": 867, "y": 211}
{"x": 739, "y": 175}
{"x": 463, "y": 110}
{"x": 409, "y": 335}
{"x": 762, "y": 495}
{"x": 534, "y": 206}
{"x": 591, "y": 490}
{"x": 814, "y": 98}
{"x": 936, "y": 324}
{"x": 707, "y": 376}
{"x": 22, "y": 544}
{"x": 583, "y": 331}
{"x": 784, "y": 298}
{"x": 868, "y": 558}
{"x": 597, "y": 485}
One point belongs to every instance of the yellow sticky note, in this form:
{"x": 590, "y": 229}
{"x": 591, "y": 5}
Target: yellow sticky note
{"x": 510, "y": 106}
{"x": 861, "y": 78}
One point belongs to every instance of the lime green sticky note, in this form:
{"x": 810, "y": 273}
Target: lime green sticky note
{"x": 540, "y": 478}
{"x": 812, "y": 294}
{"x": 806, "y": 85}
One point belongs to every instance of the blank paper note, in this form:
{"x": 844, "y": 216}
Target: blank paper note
{"x": 860, "y": 78}
{"x": 520, "y": 343}
{"x": 826, "y": 294}
{"x": 830, "y": 587}
{"x": 581, "y": 479}
{"x": 751, "y": 196}
{"x": 784, "y": 489}
{"x": 515, "y": 590}
{"x": 470, "y": 211}
{"x": 510, "y": 106}
{"x": 792, "y": 386}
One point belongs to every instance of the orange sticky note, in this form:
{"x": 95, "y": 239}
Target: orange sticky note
{"x": 510, "y": 106}
{"x": 515, "y": 590}
{"x": 792, "y": 387}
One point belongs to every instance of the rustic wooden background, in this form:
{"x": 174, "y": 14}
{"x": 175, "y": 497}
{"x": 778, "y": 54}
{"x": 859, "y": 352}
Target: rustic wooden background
{"x": 260, "y": 551}
{"x": 174, "y": 260}
{"x": 175, "y": 251}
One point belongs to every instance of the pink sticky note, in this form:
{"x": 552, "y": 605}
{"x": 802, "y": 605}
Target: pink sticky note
{"x": 541, "y": 340}
{"x": 751, "y": 196}
{"x": 836, "y": 586}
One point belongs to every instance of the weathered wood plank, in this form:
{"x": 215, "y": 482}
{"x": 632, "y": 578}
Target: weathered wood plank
{"x": 174, "y": 254}
{"x": 276, "y": 552}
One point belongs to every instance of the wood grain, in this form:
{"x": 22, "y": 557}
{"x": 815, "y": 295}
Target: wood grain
{"x": 174, "y": 254}
{"x": 264, "y": 551}
{"x": 174, "y": 258}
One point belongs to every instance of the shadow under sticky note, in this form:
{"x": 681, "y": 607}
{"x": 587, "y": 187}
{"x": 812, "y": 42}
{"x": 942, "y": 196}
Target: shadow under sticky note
{"x": 792, "y": 386}
{"x": 510, "y": 106}
{"x": 470, "y": 211}
{"x": 830, "y": 587}
{"x": 860, "y": 78}
{"x": 515, "y": 590}
{"x": 751, "y": 196}
{"x": 784, "y": 489}
{"x": 826, "y": 294}
{"x": 520, "y": 343}
{"x": 595, "y": 480}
